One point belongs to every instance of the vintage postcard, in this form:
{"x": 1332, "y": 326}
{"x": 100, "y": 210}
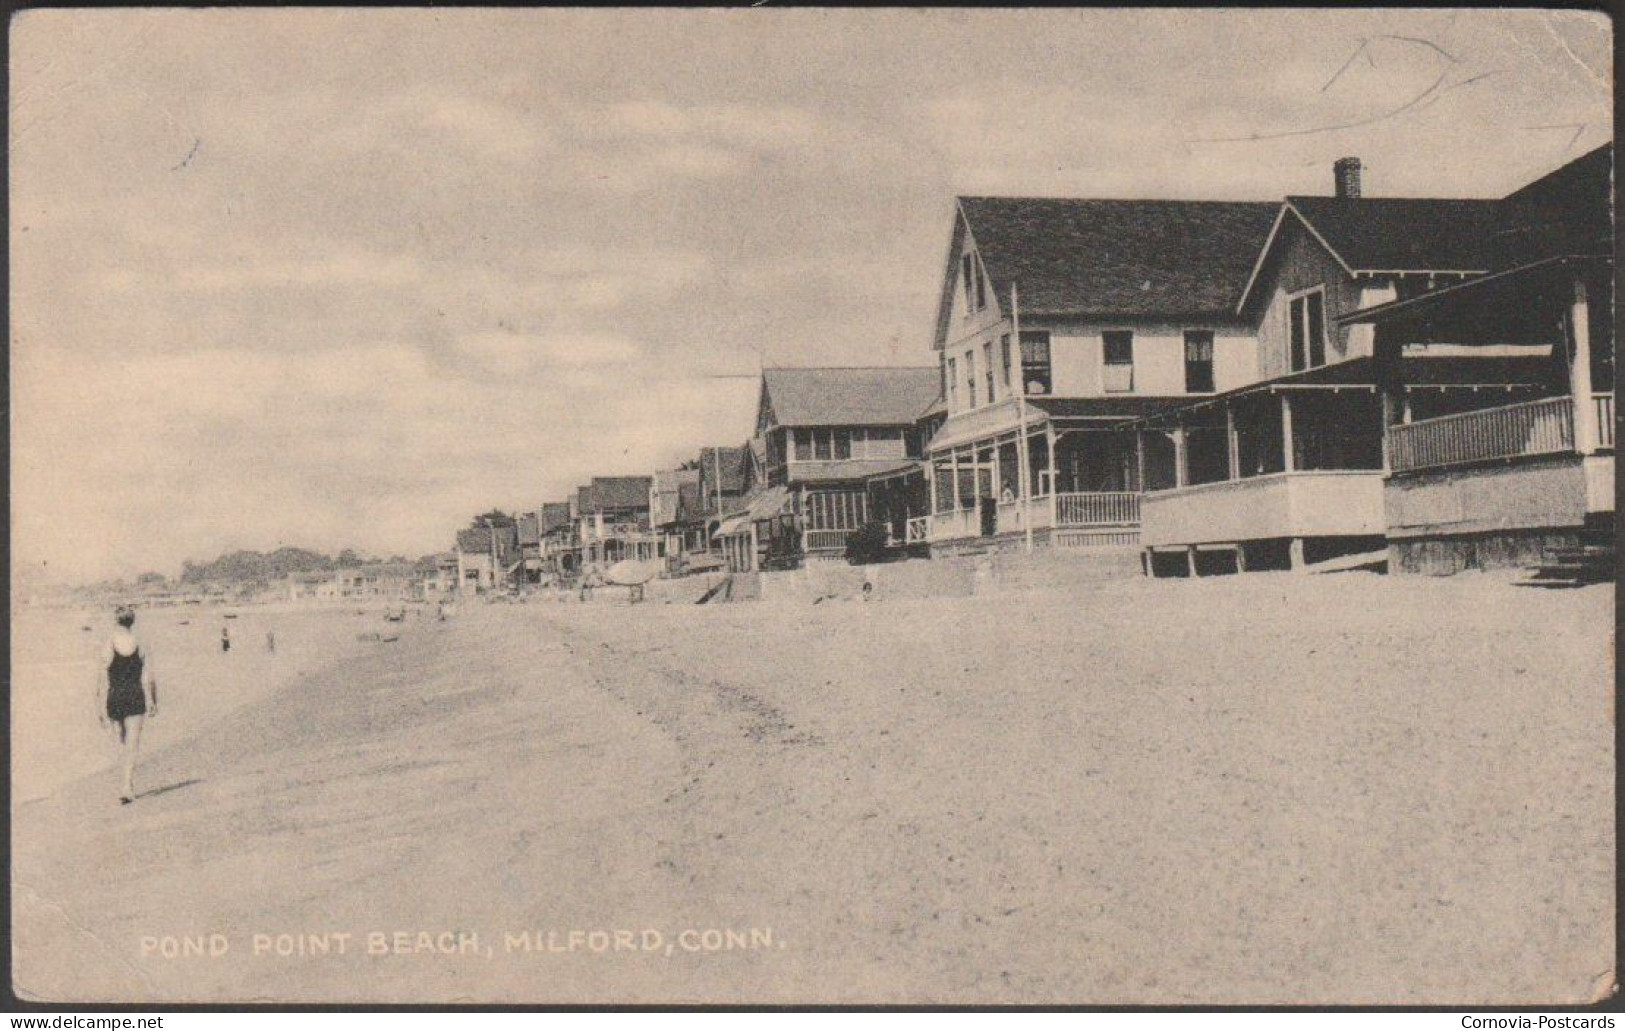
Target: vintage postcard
{"x": 758, "y": 506}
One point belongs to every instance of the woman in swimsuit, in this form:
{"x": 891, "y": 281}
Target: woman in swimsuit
{"x": 129, "y": 693}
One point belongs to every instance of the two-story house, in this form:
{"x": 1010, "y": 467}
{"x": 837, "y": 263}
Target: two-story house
{"x": 820, "y": 434}
{"x": 612, "y": 520}
{"x": 1060, "y": 319}
{"x": 1286, "y": 469}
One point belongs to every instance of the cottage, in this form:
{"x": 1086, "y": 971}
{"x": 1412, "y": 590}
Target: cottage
{"x": 1059, "y": 321}
{"x": 612, "y": 520}
{"x": 820, "y": 434}
{"x": 1289, "y": 468}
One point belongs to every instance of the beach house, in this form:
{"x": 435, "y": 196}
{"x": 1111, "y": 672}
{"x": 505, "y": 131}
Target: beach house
{"x": 1058, "y": 321}
{"x": 612, "y": 520}
{"x": 1526, "y": 479}
{"x": 485, "y": 554}
{"x": 1362, "y": 312}
{"x": 820, "y": 434}
{"x": 557, "y": 530}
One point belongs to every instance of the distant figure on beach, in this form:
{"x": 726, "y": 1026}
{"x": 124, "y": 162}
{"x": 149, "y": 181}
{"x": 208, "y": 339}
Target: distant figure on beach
{"x": 127, "y": 694}
{"x": 270, "y": 641}
{"x": 225, "y": 639}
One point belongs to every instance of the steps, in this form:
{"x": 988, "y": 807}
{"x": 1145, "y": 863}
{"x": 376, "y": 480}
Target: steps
{"x": 1591, "y": 561}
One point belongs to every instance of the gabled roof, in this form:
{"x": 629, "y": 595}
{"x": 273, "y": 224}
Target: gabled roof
{"x": 732, "y": 461}
{"x": 476, "y": 540}
{"x": 1123, "y": 258}
{"x": 1388, "y": 234}
{"x": 1403, "y": 234}
{"x": 875, "y": 396}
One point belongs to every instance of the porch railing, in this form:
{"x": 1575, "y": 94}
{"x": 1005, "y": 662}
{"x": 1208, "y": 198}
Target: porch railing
{"x": 918, "y": 530}
{"x": 825, "y": 540}
{"x": 1512, "y": 431}
{"x": 1605, "y": 419}
{"x": 1099, "y": 508}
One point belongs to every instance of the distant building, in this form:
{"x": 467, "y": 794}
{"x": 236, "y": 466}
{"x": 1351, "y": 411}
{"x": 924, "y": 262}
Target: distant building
{"x": 820, "y": 434}
{"x": 612, "y": 520}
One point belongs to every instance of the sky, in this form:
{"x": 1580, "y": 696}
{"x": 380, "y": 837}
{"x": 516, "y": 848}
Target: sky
{"x": 345, "y": 278}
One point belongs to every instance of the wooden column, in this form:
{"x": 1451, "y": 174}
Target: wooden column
{"x": 1181, "y": 476}
{"x": 1190, "y": 559}
{"x": 1049, "y": 441}
{"x": 1585, "y": 409}
{"x": 1233, "y": 446}
{"x": 1287, "y": 461}
{"x": 1295, "y": 550}
{"x": 1139, "y": 459}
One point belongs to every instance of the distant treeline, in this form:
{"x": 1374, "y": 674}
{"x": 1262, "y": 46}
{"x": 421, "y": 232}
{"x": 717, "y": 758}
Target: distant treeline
{"x": 250, "y": 566}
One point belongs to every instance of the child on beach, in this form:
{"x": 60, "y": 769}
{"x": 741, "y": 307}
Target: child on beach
{"x": 127, "y": 693}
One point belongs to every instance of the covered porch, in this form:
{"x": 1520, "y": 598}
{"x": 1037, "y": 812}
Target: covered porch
{"x": 1063, "y": 475}
{"x": 1277, "y": 475}
{"x": 1507, "y": 483}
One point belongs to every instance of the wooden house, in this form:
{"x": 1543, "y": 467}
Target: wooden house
{"x": 1060, "y": 320}
{"x": 820, "y": 434}
{"x": 1289, "y": 468}
{"x": 612, "y": 521}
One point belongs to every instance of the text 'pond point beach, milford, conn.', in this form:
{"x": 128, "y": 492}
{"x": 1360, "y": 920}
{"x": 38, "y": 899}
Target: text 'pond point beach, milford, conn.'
{"x": 807, "y": 507}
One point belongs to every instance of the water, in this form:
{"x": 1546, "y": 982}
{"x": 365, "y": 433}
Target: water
{"x": 57, "y": 684}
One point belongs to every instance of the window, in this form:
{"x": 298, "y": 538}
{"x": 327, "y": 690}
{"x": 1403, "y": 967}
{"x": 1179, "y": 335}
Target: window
{"x": 970, "y": 377}
{"x": 1118, "y": 374}
{"x": 1004, "y": 355}
{"x": 987, "y": 364}
{"x": 1307, "y": 316}
{"x": 967, "y": 264}
{"x": 804, "y": 445}
{"x": 843, "y": 445}
{"x": 953, "y": 384}
{"x": 1035, "y": 369}
{"x": 981, "y": 284}
{"x": 821, "y": 445}
{"x": 1198, "y": 361}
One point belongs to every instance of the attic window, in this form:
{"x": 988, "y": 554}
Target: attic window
{"x": 1307, "y": 316}
{"x": 975, "y": 284}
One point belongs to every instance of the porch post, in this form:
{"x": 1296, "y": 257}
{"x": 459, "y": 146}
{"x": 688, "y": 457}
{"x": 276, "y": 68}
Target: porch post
{"x": 1287, "y": 462}
{"x": 1585, "y": 409}
{"x": 1139, "y": 460}
{"x": 1233, "y": 446}
{"x": 1181, "y": 474}
{"x": 1049, "y": 440}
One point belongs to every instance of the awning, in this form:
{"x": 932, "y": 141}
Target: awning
{"x": 768, "y": 504}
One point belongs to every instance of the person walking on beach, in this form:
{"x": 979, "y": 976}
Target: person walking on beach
{"x": 129, "y": 693}
{"x": 225, "y": 638}
{"x": 270, "y": 641}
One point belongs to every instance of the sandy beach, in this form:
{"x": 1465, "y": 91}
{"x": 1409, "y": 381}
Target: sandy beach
{"x": 1269, "y": 788}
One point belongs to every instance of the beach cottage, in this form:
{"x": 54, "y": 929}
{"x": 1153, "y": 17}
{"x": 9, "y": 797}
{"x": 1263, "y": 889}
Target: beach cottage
{"x": 612, "y": 520}
{"x": 1058, "y": 321}
{"x": 820, "y": 434}
{"x": 1295, "y": 466}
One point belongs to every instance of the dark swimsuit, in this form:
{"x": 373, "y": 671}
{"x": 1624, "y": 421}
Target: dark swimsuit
{"x": 125, "y": 698}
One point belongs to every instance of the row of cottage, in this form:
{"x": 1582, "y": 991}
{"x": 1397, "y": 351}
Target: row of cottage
{"x": 1219, "y": 386}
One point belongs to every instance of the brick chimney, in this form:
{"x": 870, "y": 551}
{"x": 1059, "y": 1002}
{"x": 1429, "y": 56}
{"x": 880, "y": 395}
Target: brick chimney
{"x": 1347, "y": 173}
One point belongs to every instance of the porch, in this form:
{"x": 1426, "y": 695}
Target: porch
{"x": 1076, "y": 486}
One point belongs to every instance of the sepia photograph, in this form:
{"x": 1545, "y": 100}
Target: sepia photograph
{"x": 793, "y": 507}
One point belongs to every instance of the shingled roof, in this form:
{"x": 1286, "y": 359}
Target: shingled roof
{"x": 1566, "y": 212}
{"x": 1121, "y": 258}
{"x": 554, "y": 515}
{"x": 609, "y": 492}
{"x": 1403, "y": 234}
{"x": 876, "y": 396}
{"x": 731, "y": 460}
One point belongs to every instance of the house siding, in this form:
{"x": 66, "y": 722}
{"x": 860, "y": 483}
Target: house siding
{"x": 1303, "y": 264}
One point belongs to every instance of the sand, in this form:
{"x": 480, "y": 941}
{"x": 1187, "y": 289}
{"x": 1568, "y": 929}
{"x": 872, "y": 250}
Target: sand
{"x": 1256, "y": 789}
